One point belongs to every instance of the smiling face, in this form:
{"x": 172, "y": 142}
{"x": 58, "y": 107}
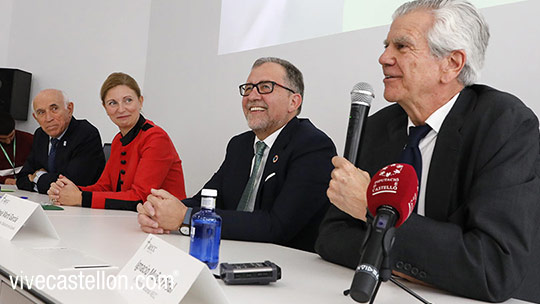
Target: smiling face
{"x": 51, "y": 112}
{"x": 123, "y": 107}
{"x": 266, "y": 113}
{"x": 412, "y": 73}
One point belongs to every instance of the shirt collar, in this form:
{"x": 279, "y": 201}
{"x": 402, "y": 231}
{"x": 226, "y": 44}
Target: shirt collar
{"x": 436, "y": 119}
{"x": 61, "y": 135}
{"x": 269, "y": 141}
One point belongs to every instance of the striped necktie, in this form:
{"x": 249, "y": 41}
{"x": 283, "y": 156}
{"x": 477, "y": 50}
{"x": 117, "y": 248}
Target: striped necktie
{"x": 249, "y": 191}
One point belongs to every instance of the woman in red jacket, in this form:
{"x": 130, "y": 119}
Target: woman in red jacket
{"x": 142, "y": 156}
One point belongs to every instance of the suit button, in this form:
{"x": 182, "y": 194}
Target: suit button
{"x": 123, "y": 162}
{"x": 407, "y": 267}
{"x": 414, "y": 271}
{"x": 123, "y": 153}
{"x": 399, "y": 265}
{"x": 423, "y": 275}
{"x": 122, "y": 171}
{"x": 121, "y": 182}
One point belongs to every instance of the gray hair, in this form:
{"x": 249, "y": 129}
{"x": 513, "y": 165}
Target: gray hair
{"x": 458, "y": 25}
{"x": 293, "y": 76}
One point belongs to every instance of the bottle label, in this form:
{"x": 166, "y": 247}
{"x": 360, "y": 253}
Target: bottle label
{"x": 208, "y": 202}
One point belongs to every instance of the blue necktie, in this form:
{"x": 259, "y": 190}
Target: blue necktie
{"x": 52, "y": 155}
{"x": 411, "y": 154}
{"x": 243, "y": 205}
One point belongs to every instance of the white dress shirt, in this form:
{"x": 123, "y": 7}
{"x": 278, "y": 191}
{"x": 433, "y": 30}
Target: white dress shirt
{"x": 427, "y": 145}
{"x": 269, "y": 141}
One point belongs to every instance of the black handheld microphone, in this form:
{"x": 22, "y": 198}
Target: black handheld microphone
{"x": 391, "y": 196}
{"x": 361, "y": 97}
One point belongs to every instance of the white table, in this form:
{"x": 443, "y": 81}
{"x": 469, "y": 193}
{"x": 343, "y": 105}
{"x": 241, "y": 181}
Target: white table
{"x": 113, "y": 236}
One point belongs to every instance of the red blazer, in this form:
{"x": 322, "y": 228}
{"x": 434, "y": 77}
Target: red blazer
{"x": 143, "y": 159}
{"x": 24, "y": 145}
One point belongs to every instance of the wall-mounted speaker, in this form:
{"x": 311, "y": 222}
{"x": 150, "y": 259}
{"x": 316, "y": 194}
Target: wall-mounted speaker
{"x": 15, "y": 92}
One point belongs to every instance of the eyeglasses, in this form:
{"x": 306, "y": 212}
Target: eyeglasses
{"x": 263, "y": 87}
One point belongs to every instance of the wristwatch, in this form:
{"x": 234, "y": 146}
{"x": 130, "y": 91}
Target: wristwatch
{"x": 186, "y": 223}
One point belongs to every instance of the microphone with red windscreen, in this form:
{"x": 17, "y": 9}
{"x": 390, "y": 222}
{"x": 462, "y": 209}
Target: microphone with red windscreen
{"x": 395, "y": 185}
{"x": 391, "y": 197}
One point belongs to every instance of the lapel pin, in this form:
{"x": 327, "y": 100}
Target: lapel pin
{"x": 65, "y": 143}
{"x": 275, "y": 159}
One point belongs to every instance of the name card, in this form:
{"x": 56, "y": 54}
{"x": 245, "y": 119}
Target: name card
{"x": 162, "y": 273}
{"x": 20, "y": 217}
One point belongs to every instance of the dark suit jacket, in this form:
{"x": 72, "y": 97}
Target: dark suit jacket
{"x": 291, "y": 203}
{"x": 79, "y": 157}
{"x": 479, "y": 237}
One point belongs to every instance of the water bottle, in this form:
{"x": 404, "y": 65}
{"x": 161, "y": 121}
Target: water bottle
{"x": 206, "y": 230}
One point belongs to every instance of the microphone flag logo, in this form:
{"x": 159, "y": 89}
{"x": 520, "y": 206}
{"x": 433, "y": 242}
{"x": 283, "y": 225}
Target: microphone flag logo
{"x": 387, "y": 182}
{"x": 391, "y": 170}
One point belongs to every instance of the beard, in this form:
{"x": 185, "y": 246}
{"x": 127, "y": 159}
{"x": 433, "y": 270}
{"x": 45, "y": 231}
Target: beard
{"x": 261, "y": 122}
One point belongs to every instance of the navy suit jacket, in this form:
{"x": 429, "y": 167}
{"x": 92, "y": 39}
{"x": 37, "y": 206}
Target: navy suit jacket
{"x": 79, "y": 157}
{"x": 479, "y": 237}
{"x": 291, "y": 199}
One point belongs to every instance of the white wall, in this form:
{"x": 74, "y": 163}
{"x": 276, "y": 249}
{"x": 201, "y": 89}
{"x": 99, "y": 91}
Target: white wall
{"x": 171, "y": 46}
{"x": 190, "y": 91}
{"x": 5, "y": 26}
{"x": 513, "y": 56}
{"x": 195, "y": 91}
{"x": 75, "y": 45}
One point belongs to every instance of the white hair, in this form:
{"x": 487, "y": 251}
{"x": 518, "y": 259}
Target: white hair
{"x": 458, "y": 25}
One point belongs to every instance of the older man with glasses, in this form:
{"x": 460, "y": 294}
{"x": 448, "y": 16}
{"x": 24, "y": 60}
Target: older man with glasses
{"x": 272, "y": 184}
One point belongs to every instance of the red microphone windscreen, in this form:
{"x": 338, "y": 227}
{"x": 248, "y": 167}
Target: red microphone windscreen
{"x": 395, "y": 185}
